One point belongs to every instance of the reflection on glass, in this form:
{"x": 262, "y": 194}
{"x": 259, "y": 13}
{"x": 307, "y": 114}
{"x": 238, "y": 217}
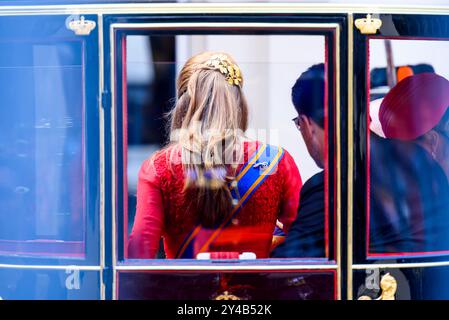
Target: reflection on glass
{"x": 45, "y": 284}
{"x": 319, "y": 285}
{"x": 428, "y": 283}
{"x": 409, "y": 148}
{"x": 41, "y": 150}
{"x": 228, "y": 106}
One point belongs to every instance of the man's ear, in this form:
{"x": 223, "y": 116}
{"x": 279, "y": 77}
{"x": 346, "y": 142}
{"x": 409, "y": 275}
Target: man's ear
{"x": 434, "y": 140}
{"x": 306, "y": 125}
{"x": 431, "y": 139}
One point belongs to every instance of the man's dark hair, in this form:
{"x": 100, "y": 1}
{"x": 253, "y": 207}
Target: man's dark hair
{"x": 308, "y": 94}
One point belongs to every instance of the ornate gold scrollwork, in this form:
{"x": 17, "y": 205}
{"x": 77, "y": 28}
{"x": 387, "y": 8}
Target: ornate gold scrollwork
{"x": 226, "y": 296}
{"x": 81, "y": 27}
{"x": 368, "y": 25}
{"x": 389, "y": 286}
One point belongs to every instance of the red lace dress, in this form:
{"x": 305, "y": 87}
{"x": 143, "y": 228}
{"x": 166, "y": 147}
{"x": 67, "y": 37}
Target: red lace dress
{"x": 164, "y": 210}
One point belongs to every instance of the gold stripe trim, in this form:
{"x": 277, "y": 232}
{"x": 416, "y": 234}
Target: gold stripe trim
{"x": 225, "y": 25}
{"x": 338, "y": 154}
{"x": 113, "y": 162}
{"x": 350, "y": 146}
{"x": 102, "y": 157}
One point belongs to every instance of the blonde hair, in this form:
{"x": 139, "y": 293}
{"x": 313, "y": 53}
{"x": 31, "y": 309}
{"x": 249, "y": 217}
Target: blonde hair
{"x": 208, "y": 121}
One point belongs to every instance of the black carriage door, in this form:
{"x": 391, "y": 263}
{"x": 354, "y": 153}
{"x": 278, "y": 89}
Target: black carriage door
{"x": 147, "y": 52}
{"x": 49, "y": 157}
{"x": 401, "y": 204}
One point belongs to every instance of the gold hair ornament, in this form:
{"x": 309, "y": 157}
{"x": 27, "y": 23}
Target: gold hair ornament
{"x": 230, "y": 70}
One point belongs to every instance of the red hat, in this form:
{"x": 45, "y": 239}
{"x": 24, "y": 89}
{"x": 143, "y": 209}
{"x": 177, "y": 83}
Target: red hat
{"x": 414, "y": 106}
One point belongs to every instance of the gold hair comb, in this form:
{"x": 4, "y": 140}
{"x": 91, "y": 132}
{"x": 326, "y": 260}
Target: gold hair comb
{"x": 230, "y": 70}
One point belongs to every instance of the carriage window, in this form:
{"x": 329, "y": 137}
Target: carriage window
{"x": 41, "y": 156}
{"x": 408, "y": 148}
{"x": 214, "y": 163}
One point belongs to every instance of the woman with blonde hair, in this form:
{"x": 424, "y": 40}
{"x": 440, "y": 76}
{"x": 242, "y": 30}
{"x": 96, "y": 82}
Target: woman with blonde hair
{"x": 211, "y": 189}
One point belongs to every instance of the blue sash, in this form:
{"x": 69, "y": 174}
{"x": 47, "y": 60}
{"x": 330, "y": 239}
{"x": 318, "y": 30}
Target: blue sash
{"x": 263, "y": 163}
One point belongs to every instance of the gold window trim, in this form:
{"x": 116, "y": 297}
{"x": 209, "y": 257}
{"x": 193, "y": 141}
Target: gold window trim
{"x": 333, "y": 27}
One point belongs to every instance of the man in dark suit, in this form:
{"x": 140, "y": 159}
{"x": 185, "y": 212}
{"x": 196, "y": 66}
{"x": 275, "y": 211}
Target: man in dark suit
{"x": 306, "y": 235}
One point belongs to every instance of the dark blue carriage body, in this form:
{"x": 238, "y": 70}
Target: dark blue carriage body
{"x": 63, "y": 142}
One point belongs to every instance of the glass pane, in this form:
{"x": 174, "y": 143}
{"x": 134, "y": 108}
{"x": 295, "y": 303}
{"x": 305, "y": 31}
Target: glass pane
{"x": 306, "y": 285}
{"x": 43, "y": 284}
{"x": 430, "y": 283}
{"x": 409, "y": 144}
{"x": 41, "y": 149}
{"x": 169, "y": 222}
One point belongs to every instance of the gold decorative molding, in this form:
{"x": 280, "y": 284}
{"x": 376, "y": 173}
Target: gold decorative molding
{"x": 368, "y": 25}
{"x": 389, "y": 286}
{"x": 82, "y": 27}
{"x": 242, "y": 26}
{"x": 226, "y": 296}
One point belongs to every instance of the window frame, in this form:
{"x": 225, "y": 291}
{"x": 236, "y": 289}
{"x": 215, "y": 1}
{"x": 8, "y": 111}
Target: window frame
{"x": 92, "y": 184}
{"x": 332, "y": 31}
{"x": 399, "y": 254}
{"x": 395, "y": 27}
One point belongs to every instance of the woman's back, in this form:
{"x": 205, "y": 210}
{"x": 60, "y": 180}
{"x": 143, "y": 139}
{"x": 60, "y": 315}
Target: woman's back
{"x": 168, "y": 209}
{"x": 191, "y": 192}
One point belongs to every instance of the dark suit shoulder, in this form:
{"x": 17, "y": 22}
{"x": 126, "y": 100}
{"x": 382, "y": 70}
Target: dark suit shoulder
{"x": 312, "y": 186}
{"x": 306, "y": 235}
